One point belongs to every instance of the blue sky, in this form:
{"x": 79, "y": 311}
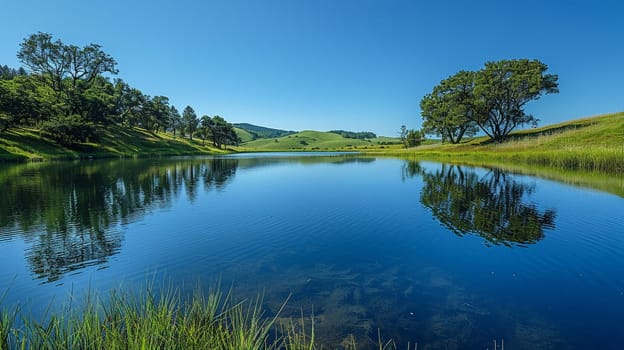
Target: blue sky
{"x": 354, "y": 65}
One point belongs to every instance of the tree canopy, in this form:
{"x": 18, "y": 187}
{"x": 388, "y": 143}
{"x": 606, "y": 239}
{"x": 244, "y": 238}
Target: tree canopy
{"x": 491, "y": 99}
{"x": 448, "y": 110}
{"x": 67, "y": 90}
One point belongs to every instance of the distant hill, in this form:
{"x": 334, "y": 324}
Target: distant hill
{"x": 259, "y": 132}
{"x": 317, "y": 140}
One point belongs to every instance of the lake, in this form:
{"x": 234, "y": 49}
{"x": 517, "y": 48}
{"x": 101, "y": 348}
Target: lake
{"x": 444, "y": 255}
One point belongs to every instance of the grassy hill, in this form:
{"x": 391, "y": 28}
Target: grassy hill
{"x": 245, "y": 135}
{"x": 316, "y": 140}
{"x": 594, "y": 144}
{"x": 30, "y": 144}
{"x": 259, "y": 132}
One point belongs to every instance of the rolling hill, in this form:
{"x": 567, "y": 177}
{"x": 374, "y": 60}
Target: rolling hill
{"x": 316, "y": 140}
{"x": 246, "y": 130}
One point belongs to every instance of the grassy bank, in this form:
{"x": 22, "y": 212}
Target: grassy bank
{"x": 591, "y": 144}
{"x": 30, "y": 144}
{"x": 160, "y": 320}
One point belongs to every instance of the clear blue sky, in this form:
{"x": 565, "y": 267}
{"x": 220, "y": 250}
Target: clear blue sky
{"x": 335, "y": 64}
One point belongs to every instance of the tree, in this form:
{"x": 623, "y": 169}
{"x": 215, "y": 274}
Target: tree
{"x": 411, "y": 137}
{"x": 45, "y": 58}
{"x": 503, "y": 88}
{"x": 403, "y": 135}
{"x": 159, "y": 110}
{"x": 449, "y": 109}
{"x": 190, "y": 120}
{"x": 129, "y": 103}
{"x": 220, "y": 131}
{"x": 175, "y": 120}
{"x": 67, "y": 130}
{"x": 22, "y": 101}
{"x": 204, "y": 129}
{"x": 414, "y": 138}
{"x": 8, "y": 73}
{"x": 68, "y": 69}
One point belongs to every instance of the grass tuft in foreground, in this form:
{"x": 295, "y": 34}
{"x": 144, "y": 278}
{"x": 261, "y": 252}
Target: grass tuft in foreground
{"x": 159, "y": 320}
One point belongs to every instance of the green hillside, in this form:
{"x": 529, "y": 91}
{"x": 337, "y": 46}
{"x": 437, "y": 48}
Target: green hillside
{"x": 317, "y": 140}
{"x": 244, "y": 135}
{"x": 595, "y": 144}
{"x": 114, "y": 141}
{"x": 261, "y": 132}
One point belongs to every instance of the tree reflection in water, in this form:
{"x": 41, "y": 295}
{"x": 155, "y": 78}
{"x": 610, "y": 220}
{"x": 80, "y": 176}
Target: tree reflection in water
{"x": 69, "y": 213}
{"x": 494, "y": 206}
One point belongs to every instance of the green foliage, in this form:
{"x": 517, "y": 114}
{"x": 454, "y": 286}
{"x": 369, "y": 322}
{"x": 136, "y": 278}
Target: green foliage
{"x": 414, "y": 138}
{"x": 23, "y": 102}
{"x": 68, "y": 88}
{"x": 492, "y": 99}
{"x": 362, "y": 135}
{"x": 189, "y": 120}
{"x": 219, "y": 131}
{"x": 8, "y": 73}
{"x": 503, "y": 88}
{"x": 411, "y": 137}
{"x": 69, "y": 130}
{"x": 175, "y": 120}
{"x": 54, "y": 61}
{"x": 448, "y": 110}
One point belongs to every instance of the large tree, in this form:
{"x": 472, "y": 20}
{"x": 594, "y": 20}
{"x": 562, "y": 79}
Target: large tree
{"x": 449, "y": 109}
{"x": 502, "y": 89}
{"x": 68, "y": 70}
{"x": 54, "y": 61}
{"x": 491, "y": 99}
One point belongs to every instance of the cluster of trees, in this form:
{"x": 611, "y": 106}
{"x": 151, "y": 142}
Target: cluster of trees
{"x": 411, "y": 137}
{"x": 491, "y": 99}
{"x": 362, "y": 135}
{"x": 67, "y": 90}
{"x": 216, "y": 129}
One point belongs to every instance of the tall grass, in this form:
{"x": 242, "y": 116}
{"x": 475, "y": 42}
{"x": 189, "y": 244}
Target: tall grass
{"x": 160, "y": 319}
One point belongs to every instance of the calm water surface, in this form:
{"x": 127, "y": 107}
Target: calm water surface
{"x": 446, "y": 256}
